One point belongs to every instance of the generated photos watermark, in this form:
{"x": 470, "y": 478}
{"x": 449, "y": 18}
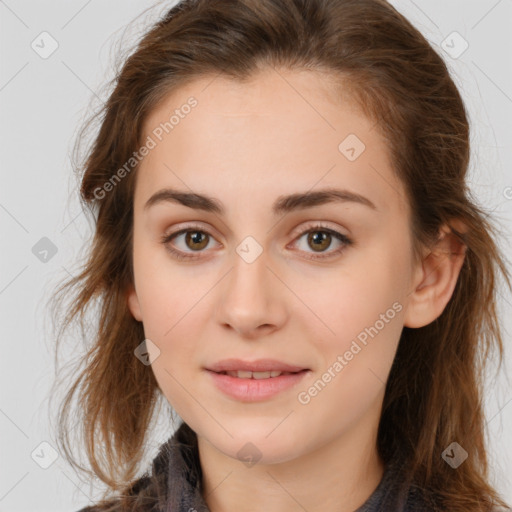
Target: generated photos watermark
{"x": 150, "y": 143}
{"x": 361, "y": 341}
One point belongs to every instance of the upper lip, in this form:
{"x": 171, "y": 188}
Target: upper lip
{"x": 259, "y": 365}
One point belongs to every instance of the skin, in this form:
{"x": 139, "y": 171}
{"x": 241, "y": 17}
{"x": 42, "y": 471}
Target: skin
{"x": 246, "y": 145}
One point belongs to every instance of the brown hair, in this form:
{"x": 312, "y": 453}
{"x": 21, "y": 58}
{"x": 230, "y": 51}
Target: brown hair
{"x": 434, "y": 391}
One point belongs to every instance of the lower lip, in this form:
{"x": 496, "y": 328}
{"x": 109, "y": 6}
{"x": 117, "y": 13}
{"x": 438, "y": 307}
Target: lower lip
{"x": 254, "y": 390}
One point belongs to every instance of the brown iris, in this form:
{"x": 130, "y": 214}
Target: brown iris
{"x": 195, "y": 237}
{"x": 318, "y": 240}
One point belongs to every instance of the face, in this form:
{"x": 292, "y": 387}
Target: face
{"x": 320, "y": 284}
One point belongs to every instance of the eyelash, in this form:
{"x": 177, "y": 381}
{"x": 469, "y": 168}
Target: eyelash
{"x": 179, "y": 255}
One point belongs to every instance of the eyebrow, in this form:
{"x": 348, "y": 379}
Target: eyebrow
{"x": 283, "y": 204}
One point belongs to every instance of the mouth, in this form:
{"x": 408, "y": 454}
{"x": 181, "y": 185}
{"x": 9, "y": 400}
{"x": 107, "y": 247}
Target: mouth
{"x": 253, "y": 381}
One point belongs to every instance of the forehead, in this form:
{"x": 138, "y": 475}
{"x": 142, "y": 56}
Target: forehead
{"x": 280, "y": 130}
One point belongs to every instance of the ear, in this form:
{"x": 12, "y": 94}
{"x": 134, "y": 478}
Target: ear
{"x": 437, "y": 276}
{"x": 133, "y": 303}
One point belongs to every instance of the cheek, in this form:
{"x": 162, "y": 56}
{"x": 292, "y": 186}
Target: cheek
{"x": 169, "y": 299}
{"x": 359, "y": 291}
{"x": 172, "y": 309}
{"x": 361, "y": 307}
{"x": 166, "y": 291}
{"x": 171, "y": 313}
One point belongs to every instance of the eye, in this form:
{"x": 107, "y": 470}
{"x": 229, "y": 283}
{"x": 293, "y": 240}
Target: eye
{"x": 195, "y": 239}
{"x": 319, "y": 237}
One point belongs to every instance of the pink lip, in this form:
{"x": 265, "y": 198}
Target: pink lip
{"x": 254, "y": 390}
{"x": 260, "y": 365}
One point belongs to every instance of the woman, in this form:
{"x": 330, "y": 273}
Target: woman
{"x": 286, "y": 252}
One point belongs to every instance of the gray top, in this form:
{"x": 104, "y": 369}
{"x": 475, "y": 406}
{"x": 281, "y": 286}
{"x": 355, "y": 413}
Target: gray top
{"x": 174, "y": 484}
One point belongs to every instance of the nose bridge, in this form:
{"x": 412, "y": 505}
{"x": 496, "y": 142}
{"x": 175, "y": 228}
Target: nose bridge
{"x": 249, "y": 275}
{"x": 250, "y": 297}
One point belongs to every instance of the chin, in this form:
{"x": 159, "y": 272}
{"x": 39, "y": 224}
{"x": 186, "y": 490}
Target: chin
{"x": 260, "y": 443}
{"x": 262, "y": 452}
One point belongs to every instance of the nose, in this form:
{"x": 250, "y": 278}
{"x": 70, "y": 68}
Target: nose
{"x": 252, "y": 299}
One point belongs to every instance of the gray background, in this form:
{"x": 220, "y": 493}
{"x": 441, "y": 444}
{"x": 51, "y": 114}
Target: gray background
{"x": 43, "y": 103}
